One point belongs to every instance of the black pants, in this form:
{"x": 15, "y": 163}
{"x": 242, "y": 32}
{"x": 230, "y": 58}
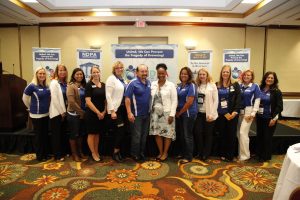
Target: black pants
{"x": 227, "y": 130}
{"x": 264, "y": 138}
{"x": 58, "y": 136}
{"x": 40, "y": 126}
{"x": 119, "y": 126}
{"x": 203, "y": 133}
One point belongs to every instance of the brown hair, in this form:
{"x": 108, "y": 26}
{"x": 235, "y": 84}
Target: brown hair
{"x": 220, "y": 82}
{"x": 55, "y": 76}
{"x": 244, "y": 73}
{"x": 95, "y": 66}
{"x": 190, "y": 74}
{"x": 208, "y": 79}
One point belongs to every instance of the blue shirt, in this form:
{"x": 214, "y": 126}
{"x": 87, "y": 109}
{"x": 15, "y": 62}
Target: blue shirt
{"x": 140, "y": 96}
{"x": 82, "y": 97}
{"x": 265, "y": 104}
{"x": 249, "y": 94}
{"x": 189, "y": 90}
{"x": 223, "y": 93}
{"x": 40, "y": 98}
{"x": 63, "y": 87}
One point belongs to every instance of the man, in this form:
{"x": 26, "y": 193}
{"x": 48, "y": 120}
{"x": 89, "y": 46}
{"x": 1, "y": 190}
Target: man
{"x": 137, "y": 102}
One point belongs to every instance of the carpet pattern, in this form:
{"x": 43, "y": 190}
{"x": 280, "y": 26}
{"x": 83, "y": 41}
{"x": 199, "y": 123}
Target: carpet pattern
{"x": 22, "y": 177}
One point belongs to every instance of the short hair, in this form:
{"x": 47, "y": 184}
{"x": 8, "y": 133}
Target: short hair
{"x": 115, "y": 65}
{"x": 35, "y": 80}
{"x": 73, "y": 80}
{"x": 220, "y": 82}
{"x": 190, "y": 74}
{"x": 55, "y": 76}
{"x": 244, "y": 73}
{"x": 265, "y": 76}
{"x": 208, "y": 79}
{"x": 97, "y": 67}
{"x": 140, "y": 65}
{"x": 161, "y": 65}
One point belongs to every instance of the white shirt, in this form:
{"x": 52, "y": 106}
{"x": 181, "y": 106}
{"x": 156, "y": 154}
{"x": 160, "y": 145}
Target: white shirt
{"x": 114, "y": 91}
{"x": 168, "y": 94}
{"x": 57, "y": 103}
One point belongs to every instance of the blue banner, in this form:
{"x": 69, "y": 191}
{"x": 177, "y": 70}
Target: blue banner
{"x": 46, "y": 56}
{"x": 144, "y": 53}
{"x": 89, "y": 54}
{"x": 242, "y": 57}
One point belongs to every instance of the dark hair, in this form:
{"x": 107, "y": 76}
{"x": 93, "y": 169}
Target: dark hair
{"x": 161, "y": 65}
{"x": 263, "y": 81}
{"x": 190, "y": 74}
{"x": 83, "y": 81}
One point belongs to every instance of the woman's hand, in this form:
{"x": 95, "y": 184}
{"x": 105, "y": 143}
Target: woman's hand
{"x": 131, "y": 117}
{"x": 170, "y": 120}
{"x": 100, "y": 115}
{"x": 113, "y": 115}
{"x": 272, "y": 122}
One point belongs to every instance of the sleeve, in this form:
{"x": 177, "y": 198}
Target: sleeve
{"x": 174, "y": 100}
{"x": 29, "y": 90}
{"x": 88, "y": 90}
{"x": 26, "y": 100}
{"x": 56, "y": 100}
{"x": 192, "y": 90}
{"x": 279, "y": 104}
{"x": 72, "y": 100}
{"x": 256, "y": 100}
{"x": 109, "y": 88}
{"x": 129, "y": 90}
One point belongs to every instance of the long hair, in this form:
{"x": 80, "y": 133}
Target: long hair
{"x": 115, "y": 65}
{"x": 244, "y": 73}
{"x": 263, "y": 81}
{"x": 91, "y": 77}
{"x": 220, "y": 82}
{"x": 208, "y": 76}
{"x": 73, "y": 80}
{"x": 190, "y": 74}
{"x": 55, "y": 76}
{"x": 35, "y": 80}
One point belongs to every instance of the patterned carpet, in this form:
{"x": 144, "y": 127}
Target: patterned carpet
{"x": 21, "y": 177}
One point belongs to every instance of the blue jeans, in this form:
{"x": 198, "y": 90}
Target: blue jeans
{"x": 186, "y": 125}
{"x": 139, "y": 133}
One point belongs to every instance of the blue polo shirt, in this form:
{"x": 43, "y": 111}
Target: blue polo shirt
{"x": 40, "y": 98}
{"x": 265, "y": 104}
{"x": 249, "y": 93}
{"x": 63, "y": 87}
{"x": 189, "y": 90}
{"x": 140, "y": 96}
{"x": 223, "y": 93}
{"x": 81, "y": 91}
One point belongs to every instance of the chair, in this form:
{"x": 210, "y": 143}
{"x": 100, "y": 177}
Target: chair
{"x": 295, "y": 195}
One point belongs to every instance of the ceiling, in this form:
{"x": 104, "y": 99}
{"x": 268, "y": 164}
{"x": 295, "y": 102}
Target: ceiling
{"x": 261, "y": 13}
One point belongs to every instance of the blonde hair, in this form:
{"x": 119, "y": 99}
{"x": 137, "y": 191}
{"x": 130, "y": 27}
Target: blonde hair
{"x": 55, "y": 75}
{"x": 95, "y": 66}
{"x": 244, "y": 72}
{"x": 208, "y": 76}
{"x": 220, "y": 82}
{"x": 35, "y": 80}
{"x": 115, "y": 65}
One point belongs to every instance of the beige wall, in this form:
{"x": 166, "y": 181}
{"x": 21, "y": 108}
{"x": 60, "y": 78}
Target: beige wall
{"x": 283, "y": 57}
{"x": 283, "y": 46}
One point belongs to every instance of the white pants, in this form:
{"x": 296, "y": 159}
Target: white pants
{"x": 243, "y": 136}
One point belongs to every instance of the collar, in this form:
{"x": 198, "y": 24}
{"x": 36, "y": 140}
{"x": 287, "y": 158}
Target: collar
{"x": 248, "y": 86}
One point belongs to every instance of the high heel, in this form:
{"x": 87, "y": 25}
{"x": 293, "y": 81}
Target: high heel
{"x": 116, "y": 157}
{"x": 95, "y": 158}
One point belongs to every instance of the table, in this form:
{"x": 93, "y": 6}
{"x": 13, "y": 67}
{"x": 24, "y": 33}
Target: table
{"x": 291, "y": 108}
{"x": 289, "y": 177}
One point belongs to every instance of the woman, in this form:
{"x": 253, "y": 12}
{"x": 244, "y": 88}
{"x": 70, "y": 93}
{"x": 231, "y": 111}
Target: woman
{"x": 36, "y": 98}
{"x": 207, "y": 113}
{"x": 95, "y": 112}
{"x": 186, "y": 112}
{"x": 228, "y": 109}
{"x": 75, "y": 113}
{"x": 163, "y": 104}
{"x": 269, "y": 110}
{"x": 57, "y": 110}
{"x": 250, "y": 99}
{"x": 115, "y": 87}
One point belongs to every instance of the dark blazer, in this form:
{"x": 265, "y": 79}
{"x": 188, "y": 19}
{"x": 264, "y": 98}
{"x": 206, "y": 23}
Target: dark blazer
{"x": 234, "y": 98}
{"x": 276, "y": 102}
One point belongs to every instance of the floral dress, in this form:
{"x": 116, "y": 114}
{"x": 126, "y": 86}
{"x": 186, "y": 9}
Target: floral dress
{"x": 159, "y": 120}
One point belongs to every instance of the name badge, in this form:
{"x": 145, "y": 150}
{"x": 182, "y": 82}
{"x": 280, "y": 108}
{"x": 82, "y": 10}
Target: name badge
{"x": 224, "y": 103}
{"x": 231, "y": 89}
{"x": 242, "y": 111}
{"x": 94, "y": 86}
{"x": 41, "y": 89}
{"x": 200, "y": 98}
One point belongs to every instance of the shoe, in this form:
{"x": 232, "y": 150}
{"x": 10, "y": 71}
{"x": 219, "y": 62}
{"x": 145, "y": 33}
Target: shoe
{"x": 184, "y": 161}
{"x": 60, "y": 159}
{"x": 179, "y": 157}
{"x": 162, "y": 159}
{"x": 136, "y": 159}
{"x": 158, "y": 158}
{"x": 116, "y": 157}
{"x": 82, "y": 156}
{"x": 96, "y": 158}
{"x": 225, "y": 159}
{"x": 204, "y": 158}
{"x": 120, "y": 156}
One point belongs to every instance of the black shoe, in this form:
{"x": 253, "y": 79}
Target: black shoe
{"x": 184, "y": 161}
{"x": 179, "y": 157}
{"x": 204, "y": 158}
{"x": 116, "y": 157}
{"x": 120, "y": 156}
{"x": 136, "y": 159}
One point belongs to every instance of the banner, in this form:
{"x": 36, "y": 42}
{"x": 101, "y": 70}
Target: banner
{"x": 47, "y": 58}
{"x": 150, "y": 54}
{"x": 200, "y": 58}
{"x": 238, "y": 59}
{"x": 86, "y": 58}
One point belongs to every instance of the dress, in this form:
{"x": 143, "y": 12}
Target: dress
{"x": 159, "y": 120}
{"x": 93, "y": 124}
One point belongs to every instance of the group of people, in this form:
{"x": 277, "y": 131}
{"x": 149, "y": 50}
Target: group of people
{"x": 196, "y": 106}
